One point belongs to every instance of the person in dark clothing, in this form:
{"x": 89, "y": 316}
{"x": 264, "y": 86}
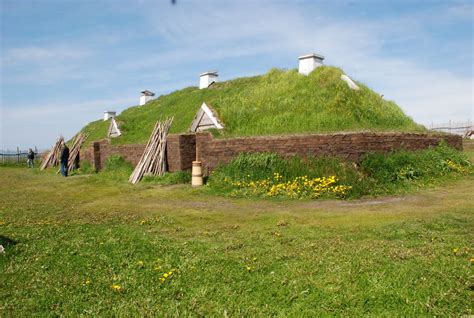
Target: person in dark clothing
{"x": 30, "y": 157}
{"x": 64, "y": 160}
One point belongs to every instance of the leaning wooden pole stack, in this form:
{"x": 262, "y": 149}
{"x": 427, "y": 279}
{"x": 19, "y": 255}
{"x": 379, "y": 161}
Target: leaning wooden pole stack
{"x": 75, "y": 149}
{"x": 53, "y": 157}
{"x": 153, "y": 160}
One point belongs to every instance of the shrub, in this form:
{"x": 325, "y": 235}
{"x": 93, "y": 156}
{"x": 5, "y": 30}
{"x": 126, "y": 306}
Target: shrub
{"x": 117, "y": 163}
{"x": 85, "y": 168}
{"x": 270, "y": 175}
{"x": 116, "y": 169}
{"x": 405, "y": 166}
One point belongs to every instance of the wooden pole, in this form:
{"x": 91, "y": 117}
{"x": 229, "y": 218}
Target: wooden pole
{"x": 153, "y": 159}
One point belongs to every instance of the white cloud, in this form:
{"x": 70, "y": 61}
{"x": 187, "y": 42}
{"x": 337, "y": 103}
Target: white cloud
{"x": 41, "y": 55}
{"x": 39, "y": 124}
{"x": 426, "y": 95}
{"x": 43, "y": 65}
{"x": 64, "y": 108}
{"x": 461, "y": 11}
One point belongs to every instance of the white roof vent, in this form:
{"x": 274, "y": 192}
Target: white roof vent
{"x": 109, "y": 114}
{"x": 349, "y": 82}
{"x": 207, "y": 79}
{"x": 206, "y": 118}
{"x": 146, "y": 97}
{"x": 309, "y": 63}
{"x": 114, "y": 130}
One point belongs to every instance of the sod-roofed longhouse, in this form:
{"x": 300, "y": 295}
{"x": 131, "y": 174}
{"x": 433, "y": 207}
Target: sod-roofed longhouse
{"x": 313, "y": 100}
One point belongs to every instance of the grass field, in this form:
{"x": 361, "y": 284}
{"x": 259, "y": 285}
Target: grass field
{"x": 91, "y": 246}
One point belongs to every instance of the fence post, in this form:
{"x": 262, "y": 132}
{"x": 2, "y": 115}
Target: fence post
{"x": 96, "y": 156}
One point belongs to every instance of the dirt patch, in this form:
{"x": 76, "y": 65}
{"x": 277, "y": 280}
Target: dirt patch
{"x": 376, "y": 201}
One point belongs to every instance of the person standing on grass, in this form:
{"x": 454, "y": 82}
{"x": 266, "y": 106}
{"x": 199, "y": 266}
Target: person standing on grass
{"x": 64, "y": 160}
{"x": 30, "y": 157}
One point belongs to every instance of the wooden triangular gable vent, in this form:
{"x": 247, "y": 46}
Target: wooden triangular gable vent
{"x": 206, "y": 118}
{"x": 114, "y": 130}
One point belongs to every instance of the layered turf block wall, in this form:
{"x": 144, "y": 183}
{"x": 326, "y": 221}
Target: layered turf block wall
{"x": 99, "y": 151}
{"x": 181, "y": 149}
{"x": 350, "y": 146}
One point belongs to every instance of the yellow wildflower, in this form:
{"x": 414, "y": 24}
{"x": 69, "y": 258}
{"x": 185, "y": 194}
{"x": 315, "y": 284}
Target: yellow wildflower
{"x": 117, "y": 287}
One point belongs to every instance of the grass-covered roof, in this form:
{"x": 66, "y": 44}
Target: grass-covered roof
{"x": 278, "y": 102}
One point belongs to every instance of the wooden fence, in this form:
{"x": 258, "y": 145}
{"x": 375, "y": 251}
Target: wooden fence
{"x": 17, "y": 157}
{"x": 458, "y": 128}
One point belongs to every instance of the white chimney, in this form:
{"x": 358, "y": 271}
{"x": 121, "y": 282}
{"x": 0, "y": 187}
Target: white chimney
{"x": 146, "y": 97}
{"x": 309, "y": 62}
{"x": 206, "y": 79}
{"x": 109, "y": 114}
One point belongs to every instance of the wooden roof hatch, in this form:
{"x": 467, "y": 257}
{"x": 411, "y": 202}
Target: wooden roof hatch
{"x": 147, "y": 93}
{"x": 206, "y": 118}
{"x": 114, "y": 130}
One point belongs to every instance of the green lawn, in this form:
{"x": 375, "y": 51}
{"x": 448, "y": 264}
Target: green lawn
{"x": 75, "y": 238}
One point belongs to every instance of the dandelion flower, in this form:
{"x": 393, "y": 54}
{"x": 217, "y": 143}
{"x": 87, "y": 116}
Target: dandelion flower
{"x": 88, "y": 281}
{"x": 140, "y": 263}
{"x": 455, "y": 250}
{"x": 117, "y": 287}
{"x": 249, "y": 268}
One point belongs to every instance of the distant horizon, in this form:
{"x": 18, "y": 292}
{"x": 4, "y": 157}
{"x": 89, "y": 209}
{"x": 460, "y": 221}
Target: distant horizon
{"x": 64, "y": 63}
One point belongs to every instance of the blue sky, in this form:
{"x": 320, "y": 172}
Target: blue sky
{"x": 63, "y": 63}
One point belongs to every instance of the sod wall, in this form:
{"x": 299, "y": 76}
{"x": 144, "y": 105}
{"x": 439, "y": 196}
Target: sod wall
{"x": 181, "y": 148}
